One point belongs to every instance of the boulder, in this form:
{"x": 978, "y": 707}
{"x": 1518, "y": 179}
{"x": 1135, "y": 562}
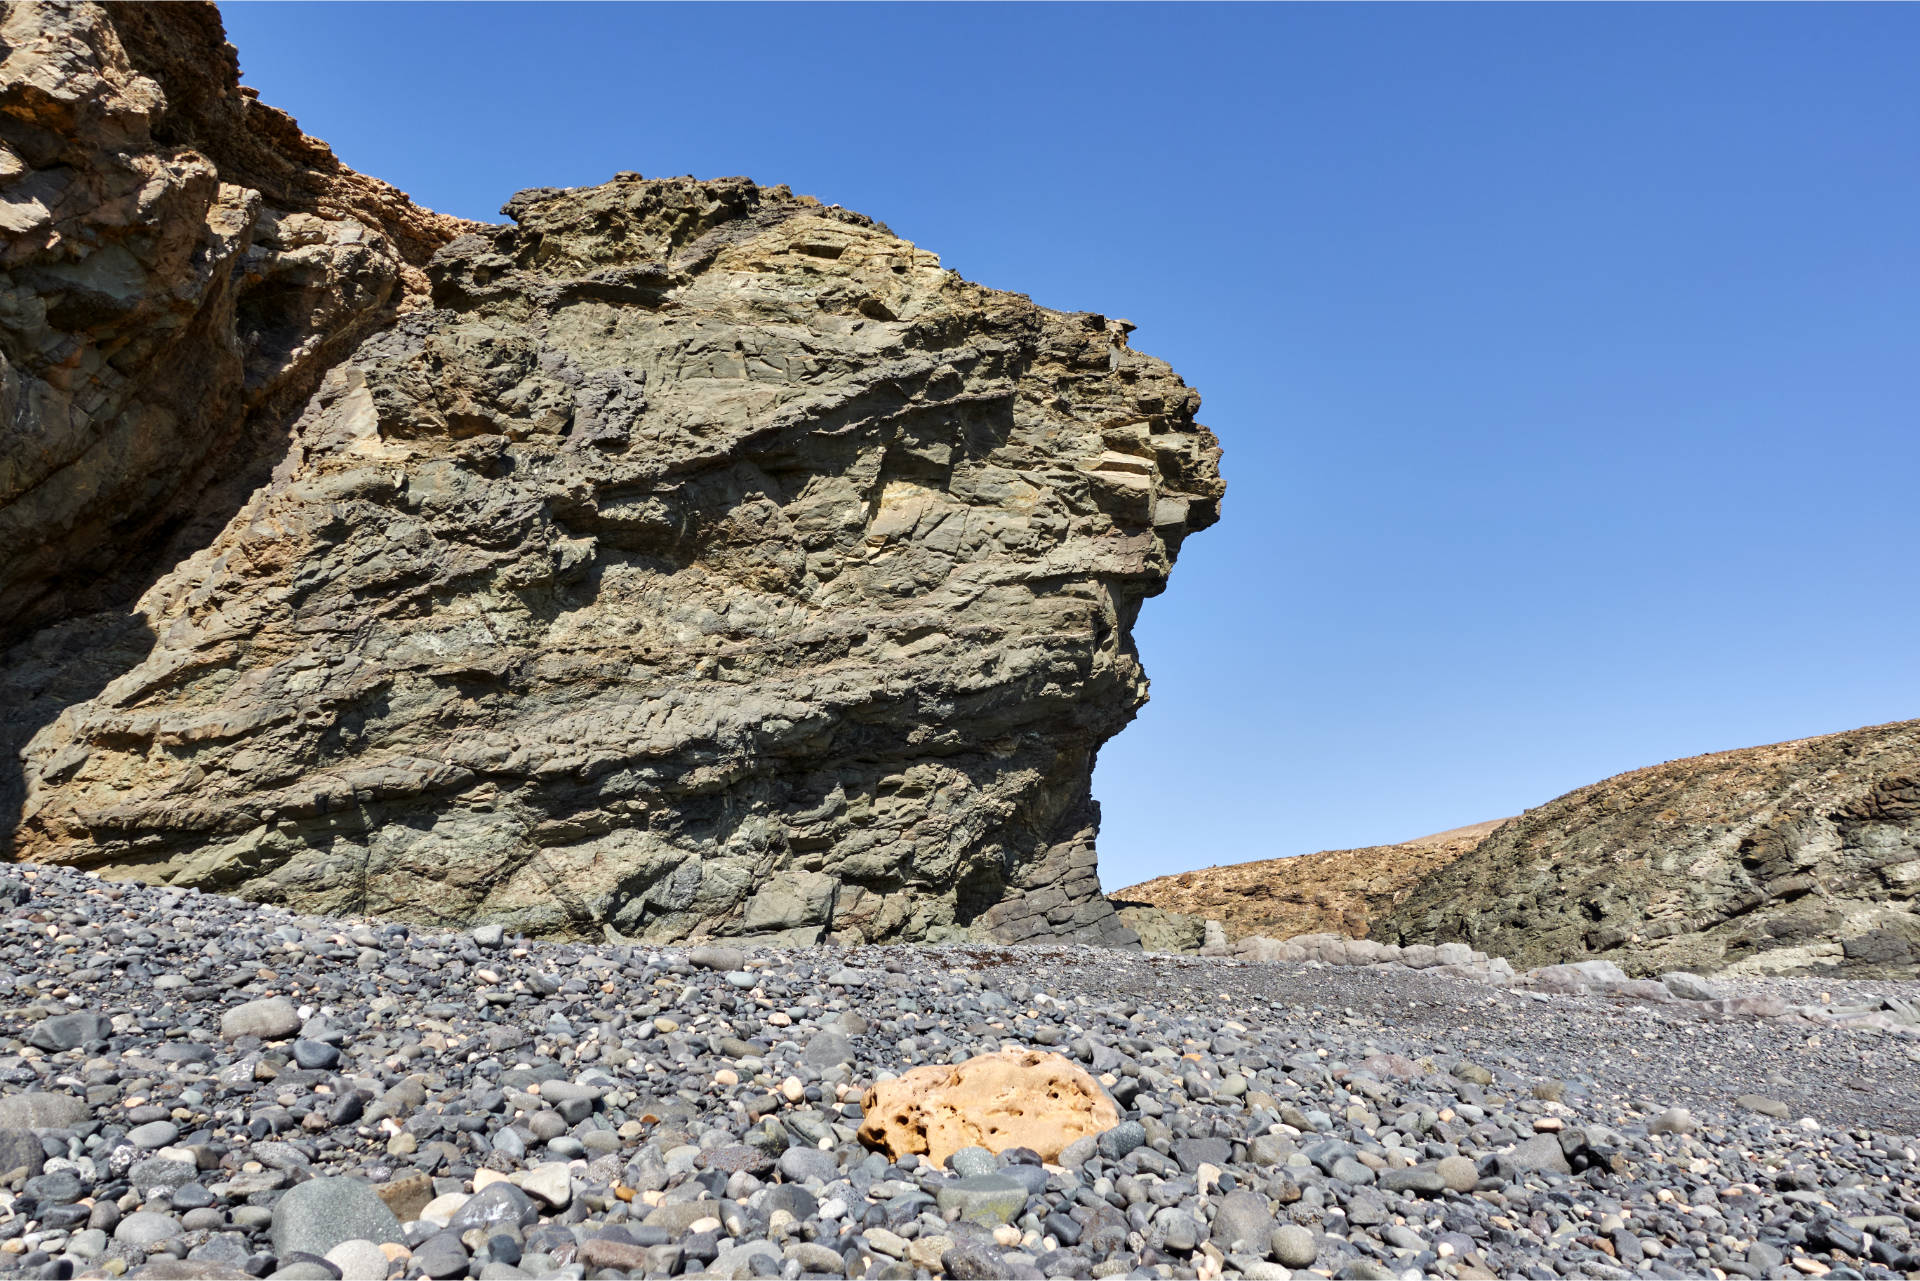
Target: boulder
{"x": 69, "y": 1031}
{"x": 794, "y": 532}
{"x": 315, "y": 1216}
{"x": 1690, "y": 987}
{"x": 37, "y": 1110}
{"x": 1575, "y": 978}
{"x": 1007, "y": 1099}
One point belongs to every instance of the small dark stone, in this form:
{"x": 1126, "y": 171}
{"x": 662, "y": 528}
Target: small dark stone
{"x": 316, "y": 1055}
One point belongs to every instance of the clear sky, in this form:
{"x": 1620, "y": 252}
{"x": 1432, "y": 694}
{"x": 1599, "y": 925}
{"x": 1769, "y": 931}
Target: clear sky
{"x": 1567, "y": 358}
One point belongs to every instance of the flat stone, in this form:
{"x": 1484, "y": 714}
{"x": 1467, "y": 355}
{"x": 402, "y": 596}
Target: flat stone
{"x": 154, "y": 1134}
{"x": 1674, "y": 1121}
{"x": 1116, "y": 1142}
{"x": 827, "y": 1049}
{"x": 65, "y": 1032}
{"x": 1690, "y": 987}
{"x": 1194, "y": 1153}
{"x": 1419, "y": 1180}
{"x": 441, "y": 1255}
{"x": 625, "y": 1257}
{"x": 21, "y": 1150}
{"x": 972, "y": 1162}
{"x": 315, "y": 1055}
{"x": 677, "y": 1216}
{"x": 36, "y": 1110}
{"x": 164, "y": 1170}
{"x": 494, "y": 1205}
{"x": 987, "y": 1199}
{"x": 1541, "y": 1152}
{"x": 272, "y": 1019}
{"x": 406, "y": 1196}
{"x": 550, "y": 1184}
{"x": 1366, "y": 1209}
{"x": 143, "y": 1227}
{"x": 718, "y": 958}
{"x": 972, "y": 1259}
{"x": 804, "y": 1165}
{"x": 162, "y": 1267}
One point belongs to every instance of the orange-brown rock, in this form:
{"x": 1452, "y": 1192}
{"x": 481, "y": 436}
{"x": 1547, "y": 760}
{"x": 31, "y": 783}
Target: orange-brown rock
{"x": 1332, "y": 892}
{"x": 1008, "y": 1099}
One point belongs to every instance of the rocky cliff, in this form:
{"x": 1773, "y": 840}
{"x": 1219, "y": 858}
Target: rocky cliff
{"x": 1332, "y": 891}
{"x": 1798, "y": 857}
{"x": 695, "y": 560}
{"x": 179, "y": 266}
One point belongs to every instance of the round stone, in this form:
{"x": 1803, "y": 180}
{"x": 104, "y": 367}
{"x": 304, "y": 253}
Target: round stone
{"x": 359, "y": 1258}
{"x": 272, "y": 1019}
{"x": 972, "y": 1161}
{"x": 316, "y": 1055}
{"x": 144, "y": 1227}
{"x": 154, "y": 1134}
{"x": 315, "y": 1216}
{"x": 1293, "y": 1246}
{"x": 1458, "y": 1173}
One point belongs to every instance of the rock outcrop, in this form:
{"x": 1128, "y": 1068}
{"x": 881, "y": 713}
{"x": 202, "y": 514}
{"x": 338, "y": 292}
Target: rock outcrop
{"x": 1801, "y": 857}
{"x": 1008, "y": 1099}
{"x": 179, "y": 266}
{"x": 699, "y": 560}
{"x": 1333, "y": 891}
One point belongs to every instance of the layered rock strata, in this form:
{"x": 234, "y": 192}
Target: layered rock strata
{"x": 179, "y": 266}
{"x": 1797, "y": 857}
{"x": 1333, "y": 890}
{"x": 706, "y": 561}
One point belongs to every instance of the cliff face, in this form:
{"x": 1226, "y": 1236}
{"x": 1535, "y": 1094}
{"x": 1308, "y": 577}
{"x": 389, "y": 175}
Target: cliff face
{"x": 179, "y": 266}
{"x": 1332, "y": 891}
{"x": 1797, "y": 857}
{"x": 705, "y": 561}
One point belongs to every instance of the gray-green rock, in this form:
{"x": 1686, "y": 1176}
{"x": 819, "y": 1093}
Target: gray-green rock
{"x": 315, "y": 1216}
{"x": 734, "y": 510}
{"x": 985, "y": 1199}
{"x": 1797, "y": 857}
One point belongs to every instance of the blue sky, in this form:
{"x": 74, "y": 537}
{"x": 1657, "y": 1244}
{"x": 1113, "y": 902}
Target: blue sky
{"x": 1566, "y": 357}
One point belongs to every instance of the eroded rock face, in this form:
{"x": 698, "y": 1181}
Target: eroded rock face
{"x": 1333, "y": 890}
{"x": 706, "y": 562}
{"x": 1008, "y": 1099}
{"x": 179, "y": 265}
{"x": 1800, "y": 857}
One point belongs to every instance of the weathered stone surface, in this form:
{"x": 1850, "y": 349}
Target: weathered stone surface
{"x": 1159, "y": 929}
{"x": 179, "y": 266}
{"x": 1800, "y": 857}
{"x": 1007, "y": 1099}
{"x": 37, "y": 1110}
{"x": 1331, "y": 892}
{"x": 708, "y": 562}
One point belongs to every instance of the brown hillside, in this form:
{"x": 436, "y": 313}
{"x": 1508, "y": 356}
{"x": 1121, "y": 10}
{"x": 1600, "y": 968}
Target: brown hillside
{"x": 1335, "y": 890}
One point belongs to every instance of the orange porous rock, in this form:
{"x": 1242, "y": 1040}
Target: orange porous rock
{"x": 1008, "y": 1099}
